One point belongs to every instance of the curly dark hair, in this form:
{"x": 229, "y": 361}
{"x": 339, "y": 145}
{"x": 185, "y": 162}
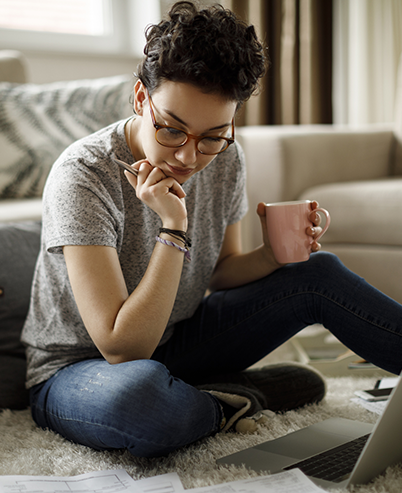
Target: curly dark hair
{"x": 210, "y": 48}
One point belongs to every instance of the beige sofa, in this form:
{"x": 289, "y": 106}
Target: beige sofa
{"x": 356, "y": 173}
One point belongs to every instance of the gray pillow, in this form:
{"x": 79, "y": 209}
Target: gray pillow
{"x": 19, "y": 248}
{"x": 38, "y": 121}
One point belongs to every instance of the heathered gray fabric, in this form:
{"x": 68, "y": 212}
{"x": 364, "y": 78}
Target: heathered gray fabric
{"x": 88, "y": 201}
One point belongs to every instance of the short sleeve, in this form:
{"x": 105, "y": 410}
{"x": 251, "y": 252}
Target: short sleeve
{"x": 79, "y": 207}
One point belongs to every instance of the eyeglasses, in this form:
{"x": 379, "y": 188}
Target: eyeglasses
{"x": 174, "y": 137}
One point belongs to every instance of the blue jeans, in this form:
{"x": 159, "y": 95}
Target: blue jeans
{"x": 151, "y": 408}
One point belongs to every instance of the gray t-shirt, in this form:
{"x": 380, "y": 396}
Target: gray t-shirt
{"x": 88, "y": 201}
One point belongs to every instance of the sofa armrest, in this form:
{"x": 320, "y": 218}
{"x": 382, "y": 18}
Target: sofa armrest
{"x": 12, "y": 67}
{"x": 289, "y": 159}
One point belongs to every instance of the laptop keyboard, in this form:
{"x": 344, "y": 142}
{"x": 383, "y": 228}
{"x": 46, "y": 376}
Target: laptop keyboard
{"x": 335, "y": 464}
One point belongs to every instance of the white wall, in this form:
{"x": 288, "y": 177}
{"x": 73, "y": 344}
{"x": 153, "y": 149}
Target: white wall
{"x": 51, "y": 67}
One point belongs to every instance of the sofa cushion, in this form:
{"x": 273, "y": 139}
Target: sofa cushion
{"x": 19, "y": 247}
{"x": 37, "y": 122}
{"x": 366, "y": 212}
{"x": 17, "y": 210}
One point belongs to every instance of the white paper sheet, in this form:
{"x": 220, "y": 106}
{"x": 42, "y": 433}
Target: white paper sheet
{"x": 119, "y": 481}
{"x": 165, "y": 483}
{"x": 375, "y": 407}
{"x": 293, "y": 481}
{"x": 388, "y": 382}
{"x": 93, "y": 482}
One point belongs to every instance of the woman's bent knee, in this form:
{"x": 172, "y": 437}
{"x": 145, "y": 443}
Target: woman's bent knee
{"x": 136, "y": 405}
{"x": 325, "y": 259}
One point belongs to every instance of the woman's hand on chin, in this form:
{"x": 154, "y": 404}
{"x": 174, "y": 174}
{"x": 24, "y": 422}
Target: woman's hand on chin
{"x": 163, "y": 194}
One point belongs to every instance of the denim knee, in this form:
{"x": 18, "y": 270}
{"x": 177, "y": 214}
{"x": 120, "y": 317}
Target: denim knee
{"x": 162, "y": 413}
{"x": 325, "y": 260}
{"x": 137, "y": 388}
{"x": 324, "y": 267}
{"x": 136, "y": 376}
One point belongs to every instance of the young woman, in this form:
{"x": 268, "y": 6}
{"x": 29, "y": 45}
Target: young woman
{"x": 124, "y": 348}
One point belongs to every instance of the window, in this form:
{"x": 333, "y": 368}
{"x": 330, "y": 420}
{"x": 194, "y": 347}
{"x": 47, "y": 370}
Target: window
{"x": 92, "y": 26}
{"x": 73, "y": 17}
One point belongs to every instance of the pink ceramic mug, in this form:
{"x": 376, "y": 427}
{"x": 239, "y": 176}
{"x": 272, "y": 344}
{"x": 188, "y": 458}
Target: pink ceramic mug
{"x": 287, "y": 223}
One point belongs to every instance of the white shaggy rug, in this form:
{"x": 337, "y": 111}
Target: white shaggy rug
{"x": 25, "y": 449}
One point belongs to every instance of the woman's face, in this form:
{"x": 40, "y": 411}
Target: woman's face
{"x": 183, "y": 106}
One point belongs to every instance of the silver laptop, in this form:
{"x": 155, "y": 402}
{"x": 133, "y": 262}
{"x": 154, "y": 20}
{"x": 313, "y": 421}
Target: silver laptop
{"x": 375, "y": 448}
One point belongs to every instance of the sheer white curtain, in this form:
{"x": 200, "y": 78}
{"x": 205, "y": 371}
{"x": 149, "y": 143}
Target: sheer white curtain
{"x": 367, "y": 49}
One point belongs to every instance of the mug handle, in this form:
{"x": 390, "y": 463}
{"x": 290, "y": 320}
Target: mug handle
{"x": 327, "y": 222}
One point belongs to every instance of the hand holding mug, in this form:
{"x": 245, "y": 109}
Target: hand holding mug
{"x": 293, "y": 229}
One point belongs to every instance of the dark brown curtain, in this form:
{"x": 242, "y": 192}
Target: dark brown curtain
{"x": 297, "y": 88}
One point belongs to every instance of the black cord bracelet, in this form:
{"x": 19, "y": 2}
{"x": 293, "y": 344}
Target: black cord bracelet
{"x": 178, "y": 234}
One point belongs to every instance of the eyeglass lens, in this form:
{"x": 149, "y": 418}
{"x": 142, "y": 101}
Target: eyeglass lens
{"x": 172, "y": 137}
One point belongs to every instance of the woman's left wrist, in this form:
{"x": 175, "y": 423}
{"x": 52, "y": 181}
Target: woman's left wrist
{"x": 269, "y": 258}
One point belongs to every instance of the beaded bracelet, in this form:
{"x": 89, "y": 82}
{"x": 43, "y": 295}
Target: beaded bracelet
{"x": 175, "y": 245}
